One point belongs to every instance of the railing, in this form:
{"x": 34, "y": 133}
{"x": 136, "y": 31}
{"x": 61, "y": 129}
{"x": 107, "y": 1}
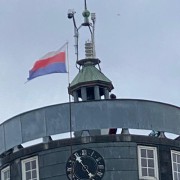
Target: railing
{"x": 104, "y": 114}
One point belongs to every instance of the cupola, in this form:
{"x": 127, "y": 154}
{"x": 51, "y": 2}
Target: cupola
{"x": 90, "y": 83}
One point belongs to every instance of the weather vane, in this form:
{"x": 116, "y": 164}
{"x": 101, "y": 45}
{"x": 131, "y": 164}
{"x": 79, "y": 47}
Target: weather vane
{"x": 90, "y": 46}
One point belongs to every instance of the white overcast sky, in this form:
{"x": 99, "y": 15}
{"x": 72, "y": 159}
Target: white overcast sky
{"x": 137, "y": 41}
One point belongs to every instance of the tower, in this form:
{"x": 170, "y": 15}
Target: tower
{"x": 124, "y": 156}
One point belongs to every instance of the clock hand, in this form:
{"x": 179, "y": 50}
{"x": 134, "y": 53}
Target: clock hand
{"x": 78, "y": 158}
{"x": 80, "y": 161}
{"x": 89, "y": 174}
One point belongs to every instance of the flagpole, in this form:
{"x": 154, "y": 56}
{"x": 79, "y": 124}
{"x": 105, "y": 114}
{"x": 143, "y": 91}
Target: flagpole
{"x": 69, "y": 86}
{"x": 70, "y": 108}
{"x": 68, "y": 63}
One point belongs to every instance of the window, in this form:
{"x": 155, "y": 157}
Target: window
{"x": 148, "y": 166}
{"x": 175, "y": 159}
{"x": 30, "y": 169}
{"x": 5, "y": 173}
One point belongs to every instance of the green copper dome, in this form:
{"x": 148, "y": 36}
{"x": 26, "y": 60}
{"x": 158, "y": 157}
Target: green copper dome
{"x": 89, "y": 75}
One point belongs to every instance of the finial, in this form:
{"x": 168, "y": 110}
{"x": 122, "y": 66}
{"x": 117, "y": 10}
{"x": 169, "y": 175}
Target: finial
{"x": 86, "y": 15}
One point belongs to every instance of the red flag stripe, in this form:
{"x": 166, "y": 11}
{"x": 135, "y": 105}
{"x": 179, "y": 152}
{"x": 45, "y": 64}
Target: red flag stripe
{"x": 60, "y": 57}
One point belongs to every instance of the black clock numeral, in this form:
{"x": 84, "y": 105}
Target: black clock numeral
{"x": 98, "y": 159}
{"x": 84, "y": 152}
{"x": 76, "y": 154}
{"x": 69, "y": 169}
{"x": 100, "y": 174}
{"x": 100, "y": 166}
{"x": 92, "y": 153}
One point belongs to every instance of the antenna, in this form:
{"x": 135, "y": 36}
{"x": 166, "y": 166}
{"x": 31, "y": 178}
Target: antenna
{"x": 71, "y": 13}
{"x": 91, "y": 26}
{"x": 85, "y": 4}
{"x": 93, "y": 18}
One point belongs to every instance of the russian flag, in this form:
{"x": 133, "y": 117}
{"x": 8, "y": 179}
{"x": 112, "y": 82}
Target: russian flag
{"x": 53, "y": 62}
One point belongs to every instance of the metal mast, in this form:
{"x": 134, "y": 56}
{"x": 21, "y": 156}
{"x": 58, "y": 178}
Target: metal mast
{"x": 91, "y": 27}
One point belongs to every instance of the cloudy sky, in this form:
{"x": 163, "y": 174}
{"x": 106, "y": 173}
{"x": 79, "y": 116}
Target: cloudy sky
{"x": 138, "y": 42}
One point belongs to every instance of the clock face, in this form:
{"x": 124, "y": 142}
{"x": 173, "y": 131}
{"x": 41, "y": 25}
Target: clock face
{"x": 85, "y": 164}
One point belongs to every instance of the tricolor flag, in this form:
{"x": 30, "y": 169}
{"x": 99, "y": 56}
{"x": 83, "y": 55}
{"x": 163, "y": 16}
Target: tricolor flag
{"x": 52, "y": 62}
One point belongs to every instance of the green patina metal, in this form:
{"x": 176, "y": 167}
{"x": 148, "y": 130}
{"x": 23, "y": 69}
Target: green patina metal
{"x": 90, "y": 74}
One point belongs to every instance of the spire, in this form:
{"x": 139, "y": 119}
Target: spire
{"x": 90, "y": 83}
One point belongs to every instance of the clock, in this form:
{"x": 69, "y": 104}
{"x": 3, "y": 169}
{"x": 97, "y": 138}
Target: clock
{"x": 85, "y": 164}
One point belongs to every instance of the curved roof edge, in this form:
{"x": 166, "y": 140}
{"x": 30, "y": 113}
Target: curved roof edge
{"x": 89, "y": 115}
{"x": 123, "y": 99}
